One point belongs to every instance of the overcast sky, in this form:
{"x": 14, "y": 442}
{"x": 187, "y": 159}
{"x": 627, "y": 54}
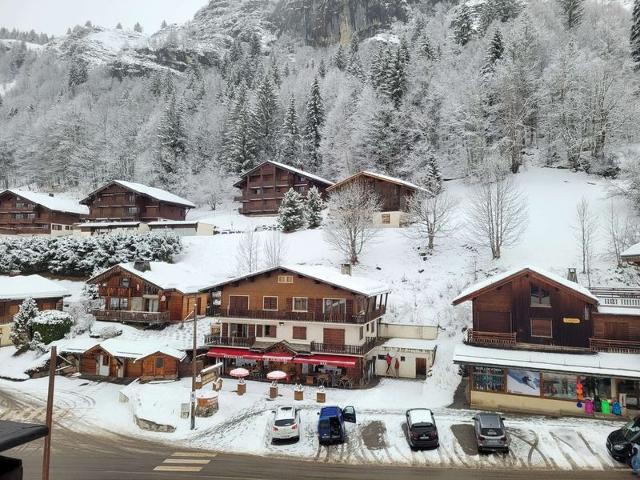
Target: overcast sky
{"x": 55, "y": 16}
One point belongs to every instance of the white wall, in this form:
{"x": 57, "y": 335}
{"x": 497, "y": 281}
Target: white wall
{"x": 5, "y": 330}
{"x": 397, "y": 330}
{"x": 407, "y": 366}
{"x": 397, "y": 219}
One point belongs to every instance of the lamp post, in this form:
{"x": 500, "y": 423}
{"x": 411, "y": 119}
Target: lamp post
{"x": 193, "y": 363}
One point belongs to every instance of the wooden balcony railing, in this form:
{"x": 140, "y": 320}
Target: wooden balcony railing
{"x": 614, "y": 346}
{"x": 617, "y": 297}
{"x": 490, "y": 338}
{"x": 128, "y": 316}
{"x": 113, "y": 291}
{"x": 330, "y": 317}
{"x": 348, "y": 349}
{"x": 229, "y": 341}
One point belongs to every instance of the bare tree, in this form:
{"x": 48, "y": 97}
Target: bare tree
{"x": 498, "y": 215}
{"x": 274, "y": 249}
{"x": 622, "y": 234}
{"x": 430, "y": 216}
{"x": 585, "y": 232}
{"x": 248, "y": 252}
{"x": 349, "y": 225}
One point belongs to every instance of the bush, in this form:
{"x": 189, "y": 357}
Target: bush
{"x": 51, "y": 325}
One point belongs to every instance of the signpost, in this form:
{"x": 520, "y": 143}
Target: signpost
{"x": 193, "y": 364}
{"x": 49, "y": 417}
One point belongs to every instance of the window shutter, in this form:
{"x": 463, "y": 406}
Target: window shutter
{"x": 289, "y": 304}
{"x": 258, "y": 330}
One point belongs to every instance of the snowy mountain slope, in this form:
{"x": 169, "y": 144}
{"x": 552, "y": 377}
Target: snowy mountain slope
{"x": 9, "y": 43}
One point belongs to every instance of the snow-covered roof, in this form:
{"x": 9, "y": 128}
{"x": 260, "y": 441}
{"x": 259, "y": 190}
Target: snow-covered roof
{"x": 632, "y": 251}
{"x": 608, "y": 310}
{"x": 76, "y": 345}
{"x": 291, "y": 169}
{"x": 167, "y": 276}
{"x": 168, "y": 223}
{"x": 379, "y": 176}
{"x": 409, "y": 343}
{"x": 34, "y": 286}
{"x": 153, "y": 192}
{"x": 107, "y": 224}
{"x": 57, "y": 204}
{"x": 505, "y": 276}
{"x": 330, "y": 275}
{"x": 138, "y": 349}
{"x": 625, "y": 365}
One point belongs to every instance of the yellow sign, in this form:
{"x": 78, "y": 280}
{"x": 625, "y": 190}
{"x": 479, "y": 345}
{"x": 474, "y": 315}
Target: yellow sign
{"x": 571, "y": 320}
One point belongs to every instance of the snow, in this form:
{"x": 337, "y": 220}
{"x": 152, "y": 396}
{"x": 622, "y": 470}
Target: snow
{"x": 420, "y": 415}
{"x": 75, "y": 345}
{"x": 496, "y": 279}
{"x": 5, "y": 87}
{"x": 34, "y": 286}
{"x": 624, "y": 365}
{"x": 174, "y": 222}
{"x": 54, "y": 203}
{"x": 231, "y": 222}
{"x": 291, "y": 169}
{"x": 410, "y": 344}
{"x": 138, "y": 349}
{"x": 52, "y": 317}
{"x": 157, "y": 193}
{"x": 170, "y": 276}
{"x": 14, "y": 367}
{"x": 619, "y": 310}
{"x": 107, "y": 224}
{"x": 632, "y": 251}
{"x": 379, "y": 176}
{"x": 11, "y": 42}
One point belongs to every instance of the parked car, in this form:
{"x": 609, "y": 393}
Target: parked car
{"x": 421, "y": 428}
{"x": 491, "y": 434}
{"x": 619, "y": 441}
{"x": 286, "y": 424}
{"x": 331, "y": 428}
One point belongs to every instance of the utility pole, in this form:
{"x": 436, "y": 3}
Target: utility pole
{"x": 49, "y": 416}
{"x": 194, "y": 372}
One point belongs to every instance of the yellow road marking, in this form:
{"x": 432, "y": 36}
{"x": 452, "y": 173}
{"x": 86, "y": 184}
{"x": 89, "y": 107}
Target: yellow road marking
{"x": 194, "y": 461}
{"x": 194, "y": 454}
{"x": 176, "y": 468}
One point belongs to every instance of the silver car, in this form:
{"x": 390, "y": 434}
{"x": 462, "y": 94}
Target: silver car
{"x": 491, "y": 435}
{"x": 286, "y": 424}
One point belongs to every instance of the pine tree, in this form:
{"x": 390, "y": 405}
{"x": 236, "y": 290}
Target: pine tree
{"x": 313, "y": 208}
{"x": 291, "y": 212}
{"x": 77, "y": 72}
{"x": 405, "y": 56}
{"x": 163, "y": 24}
{"x": 322, "y": 69}
{"x": 396, "y": 79}
{"x": 119, "y": 26}
{"x": 36, "y": 344}
{"x": 290, "y": 136}
{"x": 572, "y": 11}
{"x": 430, "y": 178}
{"x": 275, "y": 73}
{"x": 314, "y": 122}
{"x": 7, "y": 164}
{"x": 88, "y": 24}
{"x": 69, "y": 31}
{"x": 339, "y": 59}
{"x": 635, "y": 34}
{"x": 354, "y": 44}
{"x": 255, "y": 46}
{"x": 239, "y": 140}
{"x": 426, "y": 49}
{"x": 496, "y": 49}
{"x": 21, "y": 329}
{"x": 462, "y": 25}
{"x": 355, "y": 67}
{"x": 266, "y": 119}
{"x": 137, "y": 27}
{"x": 172, "y": 146}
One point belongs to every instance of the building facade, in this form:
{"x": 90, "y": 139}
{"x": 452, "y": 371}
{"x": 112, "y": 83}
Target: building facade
{"x": 264, "y": 186}
{"x": 32, "y": 213}
{"x": 134, "y": 202}
{"x": 394, "y": 194}
{"x": 148, "y": 293}
{"x": 545, "y": 344}
{"x": 315, "y": 323}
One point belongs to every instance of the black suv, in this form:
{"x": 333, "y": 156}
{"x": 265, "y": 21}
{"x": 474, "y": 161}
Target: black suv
{"x": 619, "y": 441}
{"x": 421, "y": 428}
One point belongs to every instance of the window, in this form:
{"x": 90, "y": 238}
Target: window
{"x": 487, "y": 379}
{"x": 19, "y": 216}
{"x": 270, "y": 331}
{"x": 330, "y": 305}
{"x": 56, "y": 227}
{"x": 285, "y": 278}
{"x": 540, "y": 297}
{"x": 300, "y": 304}
{"x": 124, "y": 282}
{"x": 116, "y": 303}
{"x": 299, "y": 333}
{"x": 596, "y": 387}
{"x": 541, "y": 327}
{"x": 159, "y": 362}
{"x": 402, "y": 359}
{"x": 386, "y": 218}
{"x": 132, "y": 210}
{"x": 105, "y": 360}
{"x": 270, "y": 303}
{"x": 19, "y": 204}
{"x": 382, "y": 357}
{"x": 556, "y": 385}
{"x": 361, "y": 333}
{"x": 132, "y": 198}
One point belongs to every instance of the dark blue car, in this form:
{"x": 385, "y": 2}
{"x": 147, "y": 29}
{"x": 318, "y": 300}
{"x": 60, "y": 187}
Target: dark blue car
{"x": 331, "y": 427}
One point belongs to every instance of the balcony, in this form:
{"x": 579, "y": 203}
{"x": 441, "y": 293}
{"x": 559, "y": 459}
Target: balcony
{"x": 216, "y": 340}
{"x": 113, "y": 291}
{"x": 128, "y": 316}
{"x": 494, "y": 339}
{"x": 337, "y": 317}
{"x": 614, "y": 346}
{"x": 348, "y": 349}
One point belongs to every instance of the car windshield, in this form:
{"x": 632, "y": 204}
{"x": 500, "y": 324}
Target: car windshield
{"x": 491, "y": 432}
{"x": 285, "y": 422}
{"x": 631, "y": 429}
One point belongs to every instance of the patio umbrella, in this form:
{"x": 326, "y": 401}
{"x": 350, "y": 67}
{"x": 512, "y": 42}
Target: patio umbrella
{"x": 276, "y": 375}
{"x": 239, "y": 373}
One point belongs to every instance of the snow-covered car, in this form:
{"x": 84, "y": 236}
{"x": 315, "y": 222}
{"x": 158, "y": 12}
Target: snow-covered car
{"x": 286, "y": 424}
{"x": 421, "y": 428}
{"x": 491, "y": 435}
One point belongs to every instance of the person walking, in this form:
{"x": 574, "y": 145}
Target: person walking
{"x": 635, "y": 458}
{"x": 397, "y": 367}
{"x": 388, "y": 360}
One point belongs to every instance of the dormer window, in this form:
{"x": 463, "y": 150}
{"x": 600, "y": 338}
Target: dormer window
{"x": 540, "y": 297}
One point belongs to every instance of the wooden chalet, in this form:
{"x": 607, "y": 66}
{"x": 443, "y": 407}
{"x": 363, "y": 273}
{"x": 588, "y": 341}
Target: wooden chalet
{"x": 315, "y": 323}
{"x": 538, "y": 339}
{"x": 264, "y": 186}
{"x": 149, "y": 293}
{"x": 29, "y": 213}
{"x": 394, "y": 194}
{"x": 123, "y": 359}
{"x": 15, "y": 289}
{"x": 632, "y": 254}
{"x": 128, "y": 201}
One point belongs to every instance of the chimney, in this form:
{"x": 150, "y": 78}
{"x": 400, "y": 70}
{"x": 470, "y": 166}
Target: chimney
{"x": 142, "y": 265}
{"x": 345, "y": 269}
{"x": 572, "y": 275}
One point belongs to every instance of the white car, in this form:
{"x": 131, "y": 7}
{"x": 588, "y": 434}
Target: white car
{"x": 286, "y": 424}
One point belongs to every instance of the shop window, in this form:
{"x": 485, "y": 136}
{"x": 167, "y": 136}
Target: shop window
{"x": 540, "y": 297}
{"x": 386, "y": 218}
{"x": 541, "y": 327}
{"x": 300, "y": 304}
{"x": 555, "y": 385}
{"x": 488, "y": 379}
{"x": 285, "y": 278}
{"x": 523, "y": 382}
{"x": 270, "y": 303}
{"x": 595, "y": 387}
{"x": 299, "y": 333}
{"x": 270, "y": 331}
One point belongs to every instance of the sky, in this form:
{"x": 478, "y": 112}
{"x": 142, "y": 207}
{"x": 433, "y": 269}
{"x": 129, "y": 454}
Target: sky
{"x": 55, "y": 16}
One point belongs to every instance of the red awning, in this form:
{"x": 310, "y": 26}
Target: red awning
{"x": 224, "y": 352}
{"x": 332, "y": 360}
{"x": 277, "y": 357}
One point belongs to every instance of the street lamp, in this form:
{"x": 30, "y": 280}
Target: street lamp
{"x": 193, "y": 363}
